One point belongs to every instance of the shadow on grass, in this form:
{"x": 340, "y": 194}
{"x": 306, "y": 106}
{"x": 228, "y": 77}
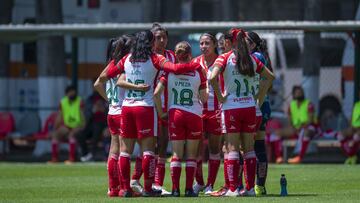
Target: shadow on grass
{"x": 291, "y": 195}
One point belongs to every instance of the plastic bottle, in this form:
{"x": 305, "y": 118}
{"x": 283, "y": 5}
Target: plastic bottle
{"x": 283, "y": 184}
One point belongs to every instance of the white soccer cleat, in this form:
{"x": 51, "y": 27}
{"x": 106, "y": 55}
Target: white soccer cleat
{"x": 198, "y": 188}
{"x": 208, "y": 190}
{"x": 136, "y": 186}
{"x": 230, "y": 193}
{"x": 162, "y": 189}
{"x": 248, "y": 193}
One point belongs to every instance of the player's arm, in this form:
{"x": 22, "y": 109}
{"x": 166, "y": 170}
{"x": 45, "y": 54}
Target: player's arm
{"x": 157, "y": 99}
{"x": 203, "y": 89}
{"x": 215, "y": 84}
{"x": 82, "y": 115}
{"x": 264, "y": 85}
{"x": 311, "y": 115}
{"x": 100, "y": 83}
{"x": 128, "y": 85}
{"x": 161, "y": 63}
{"x": 58, "y": 119}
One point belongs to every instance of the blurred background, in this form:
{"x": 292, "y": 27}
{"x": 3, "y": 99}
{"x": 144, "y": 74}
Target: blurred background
{"x": 36, "y": 68}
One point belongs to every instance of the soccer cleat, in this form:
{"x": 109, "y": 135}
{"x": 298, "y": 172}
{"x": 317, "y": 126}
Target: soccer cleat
{"x": 113, "y": 192}
{"x": 161, "y": 190}
{"x": 88, "y": 157}
{"x": 190, "y": 193}
{"x": 260, "y": 190}
{"x": 53, "y": 161}
{"x": 136, "y": 186}
{"x": 248, "y": 193}
{"x": 175, "y": 193}
{"x": 230, "y": 193}
{"x": 295, "y": 160}
{"x": 351, "y": 160}
{"x": 279, "y": 160}
{"x": 348, "y": 161}
{"x": 220, "y": 192}
{"x": 198, "y": 188}
{"x": 208, "y": 190}
{"x": 69, "y": 162}
{"x": 125, "y": 193}
{"x": 151, "y": 193}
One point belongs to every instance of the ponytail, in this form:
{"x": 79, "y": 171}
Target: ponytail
{"x": 244, "y": 63}
{"x": 262, "y": 48}
{"x": 110, "y": 50}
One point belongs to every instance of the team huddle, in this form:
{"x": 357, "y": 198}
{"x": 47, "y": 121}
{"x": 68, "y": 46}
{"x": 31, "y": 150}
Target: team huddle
{"x": 156, "y": 96}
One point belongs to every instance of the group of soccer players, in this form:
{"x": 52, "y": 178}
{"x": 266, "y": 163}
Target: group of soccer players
{"x": 156, "y": 95}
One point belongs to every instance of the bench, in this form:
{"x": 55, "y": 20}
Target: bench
{"x": 318, "y": 143}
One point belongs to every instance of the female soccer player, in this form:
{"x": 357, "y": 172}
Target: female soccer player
{"x": 138, "y": 121}
{"x": 259, "y": 50}
{"x": 238, "y": 68}
{"x": 211, "y": 117}
{"x": 117, "y": 48}
{"x": 185, "y": 120}
{"x": 160, "y": 43}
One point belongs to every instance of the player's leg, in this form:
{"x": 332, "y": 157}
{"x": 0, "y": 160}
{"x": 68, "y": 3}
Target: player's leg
{"x": 194, "y": 131}
{"x": 146, "y": 122}
{"x": 306, "y": 134}
{"x": 177, "y": 132}
{"x": 56, "y": 136}
{"x": 137, "y": 173}
{"x": 113, "y": 158}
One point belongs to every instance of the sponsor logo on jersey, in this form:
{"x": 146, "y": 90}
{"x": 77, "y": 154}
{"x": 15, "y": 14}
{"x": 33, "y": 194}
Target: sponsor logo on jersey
{"x": 196, "y": 133}
{"x": 144, "y": 131}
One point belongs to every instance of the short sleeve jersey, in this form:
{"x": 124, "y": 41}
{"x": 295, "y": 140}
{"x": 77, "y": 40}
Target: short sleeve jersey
{"x": 237, "y": 87}
{"x": 183, "y": 90}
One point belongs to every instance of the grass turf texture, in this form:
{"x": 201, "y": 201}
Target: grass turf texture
{"x": 88, "y": 183}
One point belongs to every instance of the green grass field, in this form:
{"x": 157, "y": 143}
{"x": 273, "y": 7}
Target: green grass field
{"x": 88, "y": 183}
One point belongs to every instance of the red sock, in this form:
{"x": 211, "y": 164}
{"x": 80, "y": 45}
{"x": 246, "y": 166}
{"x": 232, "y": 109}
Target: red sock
{"x": 148, "y": 166}
{"x": 113, "y": 172}
{"x": 227, "y": 183}
{"x": 233, "y": 167}
{"x": 124, "y": 163}
{"x": 354, "y": 149}
{"x": 138, "y": 169}
{"x": 241, "y": 171}
{"x": 54, "y": 150}
{"x": 214, "y": 164}
{"x": 160, "y": 172}
{"x": 199, "y": 174}
{"x": 190, "y": 173}
{"x": 250, "y": 169}
{"x": 304, "y": 145}
{"x": 72, "y": 149}
{"x": 175, "y": 168}
{"x": 277, "y": 148}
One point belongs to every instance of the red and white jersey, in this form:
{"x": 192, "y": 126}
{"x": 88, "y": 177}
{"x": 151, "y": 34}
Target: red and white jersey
{"x": 183, "y": 90}
{"x": 114, "y": 93}
{"x": 170, "y": 56}
{"x": 142, "y": 72}
{"x": 236, "y": 85}
{"x": 212, "y": 103}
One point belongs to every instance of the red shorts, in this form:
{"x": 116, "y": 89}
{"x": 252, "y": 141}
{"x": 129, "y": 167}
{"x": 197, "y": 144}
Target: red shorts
{"x": 212, "y": 122}
{"x": 258, "y": 122}
{"x": 114, "y": 124}
{"x": 138, "y": 122}
{"x": 242, "y": 120}
{"x": 184, "y": 125}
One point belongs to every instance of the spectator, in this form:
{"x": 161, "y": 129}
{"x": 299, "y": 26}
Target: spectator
{"x": 302, "y": 125}
{"x": 350, "y": 137}
{"x": 95, "y": 124}
{"x": 69, "y": 123}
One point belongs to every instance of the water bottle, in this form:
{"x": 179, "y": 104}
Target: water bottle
{"x": 283, "y": 184}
